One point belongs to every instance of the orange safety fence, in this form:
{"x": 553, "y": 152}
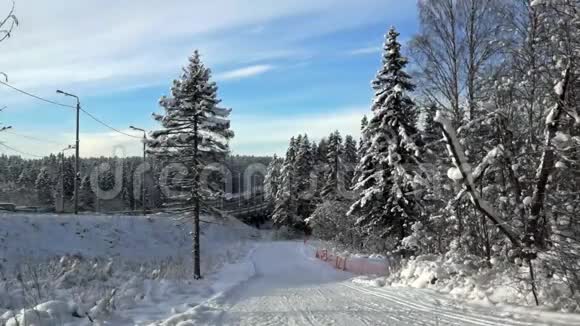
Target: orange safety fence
{"x": 353, "y": 264}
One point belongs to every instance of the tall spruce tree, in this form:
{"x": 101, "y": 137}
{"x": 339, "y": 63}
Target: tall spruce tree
{"x": 335, "y": 173}
{"x": 286, "y": 205}
{"x": 361, "y": 151}
{"x": 304, "y": 169}
{"x": 385, "y": 206}
{"x": 350, "y": 160}
{"x": 320, "y": 164}
{"x": 195, "y": 133}
{"x": 272, "y": 180}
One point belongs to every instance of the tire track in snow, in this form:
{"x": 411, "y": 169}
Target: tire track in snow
{"x": 293, "y": 288}
{"x": 476, "y": 311}
{"x": 406, "y": 297}
{"x": 429, "y": 310}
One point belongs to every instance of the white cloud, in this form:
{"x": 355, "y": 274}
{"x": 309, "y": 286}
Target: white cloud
{"x": 91, "y": 144}
{"x": 267, "y": 135}
{"x": 244, "y": 72}
{"x": 110, "y": 42}
{"x": 94, "y": 47}
{"x": 365, "y": 50}
{"x": 256, "y": 135}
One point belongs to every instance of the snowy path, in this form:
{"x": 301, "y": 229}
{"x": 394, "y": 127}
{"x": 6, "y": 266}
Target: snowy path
{"x": 292, "y": 288}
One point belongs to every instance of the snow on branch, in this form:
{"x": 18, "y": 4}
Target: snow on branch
{"x": 460, "y": 161}
{"x": 548, "y": 161}
{"x": 477, "y": 174}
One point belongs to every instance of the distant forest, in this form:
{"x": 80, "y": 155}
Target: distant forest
{"x": 39, "y": 182}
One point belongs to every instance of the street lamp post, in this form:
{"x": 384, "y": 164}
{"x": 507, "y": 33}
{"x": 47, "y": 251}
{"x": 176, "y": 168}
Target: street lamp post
{"x": 77, "y": 162}
{"x": 143, "y": 170}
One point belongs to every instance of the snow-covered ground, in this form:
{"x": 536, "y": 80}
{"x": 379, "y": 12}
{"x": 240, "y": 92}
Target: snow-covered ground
{"x": 118, "y": 270}
{"x": 291, "y": 287}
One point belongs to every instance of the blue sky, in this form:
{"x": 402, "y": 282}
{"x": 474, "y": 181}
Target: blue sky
{"x": 284, "y": 67}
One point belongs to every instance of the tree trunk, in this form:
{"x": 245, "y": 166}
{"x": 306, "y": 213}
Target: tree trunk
{"x": 535, "y": 235}
{"x": 195, "y": 195}
{"x": 456, "y": 152}
{"x": 196, "y": 248}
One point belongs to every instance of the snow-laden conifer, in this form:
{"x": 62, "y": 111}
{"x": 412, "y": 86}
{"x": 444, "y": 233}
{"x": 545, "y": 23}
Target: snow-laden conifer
{"x": 195, "y": 132}
{"x": 386, "y": 205}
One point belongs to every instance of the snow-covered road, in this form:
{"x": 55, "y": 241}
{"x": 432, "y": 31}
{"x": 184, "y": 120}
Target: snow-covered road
{"x": 290, "y": 287}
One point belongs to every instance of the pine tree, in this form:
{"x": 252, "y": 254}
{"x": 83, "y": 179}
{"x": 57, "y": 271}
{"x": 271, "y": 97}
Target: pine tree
{"x": 286, "y": 205}
{"x": 4, "y": 169}
{"x": 304, "y": 162}
{"x": 195, "y": 133}
{"x": 321, "y": 164}
{"x": 68, "y": 177}
{"x": 384, "y": 206}
{"x": 14, "y": 170}
{"x": 43, "y": 186}
{"x": 335, "y": 173}
{"x": 273, "y": 178}
{"x": 392, "y": 72}
{"x": 350, "y": 160}
{"x": 128, "y": 183}
{"x": 27, "y": 177}
{"x": 321, "y": 154}
{"x": 304, "y": 169}
{"x": 361, "y": 151}
{"x": 106, "y": 180}
{"x": 86, "y": 194}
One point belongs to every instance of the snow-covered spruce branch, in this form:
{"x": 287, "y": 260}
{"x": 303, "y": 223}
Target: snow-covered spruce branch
{"x": 460, "y": 161}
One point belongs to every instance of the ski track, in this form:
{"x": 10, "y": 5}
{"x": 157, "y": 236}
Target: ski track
{"x": 291, "y": 287}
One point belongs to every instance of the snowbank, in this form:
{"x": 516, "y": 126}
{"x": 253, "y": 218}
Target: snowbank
{"x": 474, "y": 281}
{"x": 229, "y": 277}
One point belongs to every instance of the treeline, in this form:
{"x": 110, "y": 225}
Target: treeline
{"x": 474, "y": 154}
{"x": 40, "y": 182}
{"x": 309, "y": 172}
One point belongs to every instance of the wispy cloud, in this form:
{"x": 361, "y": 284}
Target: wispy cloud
{"x": 97, "y": 50}
{"x": 46, "y": 50}
{"x": 245, "y": 72}
{"x": 365, "y": 50}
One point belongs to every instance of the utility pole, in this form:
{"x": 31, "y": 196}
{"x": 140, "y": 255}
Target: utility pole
{"x": 143, "y": 194}
{"x": 77, "y": 160}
